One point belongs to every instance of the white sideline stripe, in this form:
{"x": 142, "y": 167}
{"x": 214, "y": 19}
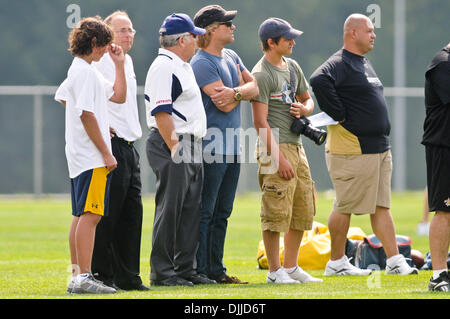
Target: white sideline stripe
{"x": 32, "y": 261}
{"x": 47, "y": 261}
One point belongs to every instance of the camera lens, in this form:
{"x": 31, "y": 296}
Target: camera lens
{"x": 317, "y": 135}
{"x": 303, "y": 126}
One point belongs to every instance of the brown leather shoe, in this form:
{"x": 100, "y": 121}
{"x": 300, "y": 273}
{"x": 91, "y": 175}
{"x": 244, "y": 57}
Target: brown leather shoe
{"x": 231, "y": 280}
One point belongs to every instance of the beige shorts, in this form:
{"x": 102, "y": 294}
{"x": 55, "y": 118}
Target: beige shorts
{"x": 286, "y": 204}
{"x": 362, "y": 182}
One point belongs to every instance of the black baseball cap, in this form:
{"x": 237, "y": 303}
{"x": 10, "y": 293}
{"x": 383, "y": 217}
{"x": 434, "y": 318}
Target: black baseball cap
{"x": 276, "y": 27}
{"x": 212, "y": 13}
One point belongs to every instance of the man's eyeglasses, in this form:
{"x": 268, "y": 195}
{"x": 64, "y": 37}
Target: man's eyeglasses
{"x": 187, "y": 34}
{"x": 229, "y": 24}
{"x": 125, "y": 31}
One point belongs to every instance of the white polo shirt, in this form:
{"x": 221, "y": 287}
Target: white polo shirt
{"x": 84, "y": 89}
{"x": 171, "y": 87}
{"x": 123, "y": 118}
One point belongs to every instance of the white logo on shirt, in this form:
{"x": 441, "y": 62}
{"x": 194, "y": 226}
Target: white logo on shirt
{"x": 374, "y": 80}
{"x": 447, "y": 202}
{"x": 163, "y": 102}
{"x": 284, "y": 96}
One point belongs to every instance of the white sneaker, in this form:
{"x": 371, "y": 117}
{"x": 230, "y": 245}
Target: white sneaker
{"x": 399, "y": 266}
{"x": 86, "y": 283}
{"x": 302, "y": 276}
{"x": 280, "y": 276}
{"x": 71, "y": 285}
{"x": 423, "y": 229}
{"x": 344, "y": 267}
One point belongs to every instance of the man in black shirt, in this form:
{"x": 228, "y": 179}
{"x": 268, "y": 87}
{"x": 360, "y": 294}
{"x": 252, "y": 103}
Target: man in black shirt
{"x": 357, "y": 150}
{"x": 436, "y": 139}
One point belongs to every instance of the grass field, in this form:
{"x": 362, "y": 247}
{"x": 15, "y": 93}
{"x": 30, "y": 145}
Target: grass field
{"x": 35, "y": 263}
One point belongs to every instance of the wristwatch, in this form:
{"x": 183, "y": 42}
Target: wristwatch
{"x": 237, "y": 94}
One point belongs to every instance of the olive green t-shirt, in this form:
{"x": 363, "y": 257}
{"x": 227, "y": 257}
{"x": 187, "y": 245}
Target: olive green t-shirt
{"x": 275, "y": 91}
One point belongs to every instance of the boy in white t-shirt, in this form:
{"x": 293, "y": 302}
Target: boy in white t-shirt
{"x": 117, "y": 248}
{"x": 88, "y": 147}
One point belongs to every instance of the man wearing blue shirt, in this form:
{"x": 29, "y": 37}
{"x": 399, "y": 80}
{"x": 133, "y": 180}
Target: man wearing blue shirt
{"x": 224, "y": 82}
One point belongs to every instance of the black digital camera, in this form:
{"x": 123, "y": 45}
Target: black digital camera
{"x": 303, "y": 126}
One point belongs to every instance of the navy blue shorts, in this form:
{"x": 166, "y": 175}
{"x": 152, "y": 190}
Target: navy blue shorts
{"x": 90, "y": 192}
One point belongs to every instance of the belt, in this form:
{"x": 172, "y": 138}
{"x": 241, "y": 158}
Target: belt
{"x": 121, "y": 140}
{"x": 190, "y": 137}
{"x": 193, "y": 138}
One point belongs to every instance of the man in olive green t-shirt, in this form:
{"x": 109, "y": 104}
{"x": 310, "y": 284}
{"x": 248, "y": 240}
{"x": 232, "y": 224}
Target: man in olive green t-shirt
{"x": 284, "y": 176}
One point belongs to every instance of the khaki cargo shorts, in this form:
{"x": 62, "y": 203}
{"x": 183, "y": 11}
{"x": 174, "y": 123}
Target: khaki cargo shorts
{"x": 362, "y": 182}
{"x": 286, "y": 204}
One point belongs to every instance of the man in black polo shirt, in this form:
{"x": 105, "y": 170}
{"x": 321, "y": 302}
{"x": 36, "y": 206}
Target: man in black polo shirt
{"x": 436, "y": 139}
{"x": 358, "y": 152}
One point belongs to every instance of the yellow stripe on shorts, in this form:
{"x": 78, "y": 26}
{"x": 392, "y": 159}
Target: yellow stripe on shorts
{"x": 95, "y": 199}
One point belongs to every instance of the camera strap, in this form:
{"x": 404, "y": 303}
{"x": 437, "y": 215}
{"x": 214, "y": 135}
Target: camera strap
{"x": 292, "y": 79}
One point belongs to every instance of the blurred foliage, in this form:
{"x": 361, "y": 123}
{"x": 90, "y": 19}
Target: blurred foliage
{"x": 34, "y": 46}
{"x": 34, "y": 33}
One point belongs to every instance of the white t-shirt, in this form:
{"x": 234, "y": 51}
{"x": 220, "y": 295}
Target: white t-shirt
{"x": 171, "y": 87}
{"x": 123, "y": 118}
{"x": 84, "y": 89}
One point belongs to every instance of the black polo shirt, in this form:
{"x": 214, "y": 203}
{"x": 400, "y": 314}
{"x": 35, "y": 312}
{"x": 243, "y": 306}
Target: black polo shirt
{"x": 348, "y": 89}
{"x": 437, "y": 100}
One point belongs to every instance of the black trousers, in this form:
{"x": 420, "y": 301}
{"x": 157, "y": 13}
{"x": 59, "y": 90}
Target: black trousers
{"x": 177, "y": 211}
{"x": 117, "y": 247}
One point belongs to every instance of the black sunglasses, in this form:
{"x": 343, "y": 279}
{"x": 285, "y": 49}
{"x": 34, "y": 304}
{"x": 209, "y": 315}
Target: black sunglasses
{"x": 228, "y": 23}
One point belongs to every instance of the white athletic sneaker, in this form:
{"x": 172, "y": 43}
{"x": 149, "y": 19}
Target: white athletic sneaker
{"x": 423, "y": 229}
{"x": 344, "y": 267}
{"x": 71, "y": 285}
{"x": 280, "y": 276}
{"x": 302, "y": 276}
{"x": 86, "y": 283}
{"x": 399, "y": 266}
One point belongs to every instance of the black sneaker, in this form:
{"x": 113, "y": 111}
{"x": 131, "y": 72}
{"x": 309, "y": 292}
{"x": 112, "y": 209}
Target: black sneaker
{"x": 140, "y": 287}
{"x": 200, "y": 279}
{"x": 442, "y": 283}
{"x": 172, "y": 281}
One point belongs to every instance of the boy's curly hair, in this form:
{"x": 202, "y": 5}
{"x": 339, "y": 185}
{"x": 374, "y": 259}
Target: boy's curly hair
{"x": 89, "y": 33}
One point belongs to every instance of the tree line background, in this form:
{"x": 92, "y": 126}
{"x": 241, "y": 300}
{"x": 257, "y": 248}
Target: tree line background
{"x": 34, "y": 52}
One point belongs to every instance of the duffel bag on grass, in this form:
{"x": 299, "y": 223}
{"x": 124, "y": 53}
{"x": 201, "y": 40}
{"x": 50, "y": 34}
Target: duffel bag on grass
{"x": 315, "y": 248}
{"x": 369, "y": 253}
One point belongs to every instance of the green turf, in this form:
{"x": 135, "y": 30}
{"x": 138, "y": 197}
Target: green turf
{"x": 35, "y": 263}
